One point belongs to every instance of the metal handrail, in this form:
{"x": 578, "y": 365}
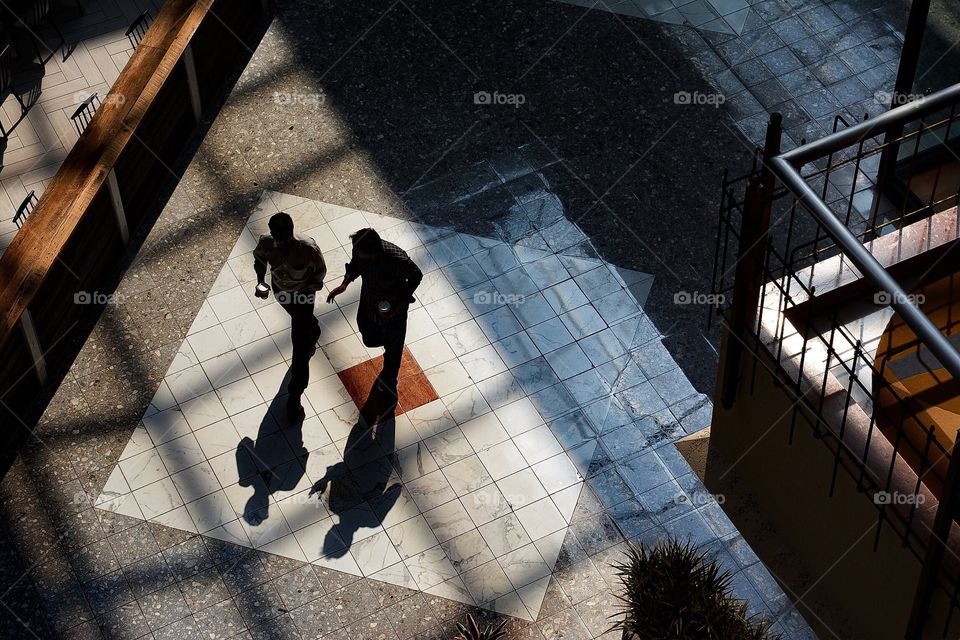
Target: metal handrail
{"x": 869, "y": 128}
{"x": 786, "y": 167}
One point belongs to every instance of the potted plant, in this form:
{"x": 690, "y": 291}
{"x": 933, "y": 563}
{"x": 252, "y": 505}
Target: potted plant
{"x": 472, "y": 631}
{"x": 673, "y": 592}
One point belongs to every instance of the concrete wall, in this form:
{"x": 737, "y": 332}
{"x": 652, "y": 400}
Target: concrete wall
{"x": 831, "y": 536}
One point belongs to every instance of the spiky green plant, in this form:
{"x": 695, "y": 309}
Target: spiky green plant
{"x": 674, "y": 592}
{"x": 472, "y": 631}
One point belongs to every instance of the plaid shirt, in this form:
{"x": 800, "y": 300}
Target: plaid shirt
{"x": 394, "y": 278}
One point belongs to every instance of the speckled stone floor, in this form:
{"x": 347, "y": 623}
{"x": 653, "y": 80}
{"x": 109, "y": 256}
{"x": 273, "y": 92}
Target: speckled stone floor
{"x": 413, "y": 113}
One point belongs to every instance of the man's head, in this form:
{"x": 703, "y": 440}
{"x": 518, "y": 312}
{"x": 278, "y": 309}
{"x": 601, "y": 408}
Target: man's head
{"x": 281, "y": 226}
{"x": 367, "y": 244}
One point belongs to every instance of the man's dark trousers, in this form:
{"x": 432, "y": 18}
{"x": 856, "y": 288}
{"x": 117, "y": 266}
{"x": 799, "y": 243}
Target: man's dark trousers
{"x": 304, "y": 331}
{"x": 389, "y": 334}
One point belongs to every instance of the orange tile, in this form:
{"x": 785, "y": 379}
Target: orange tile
{"x": 414, "y": 389}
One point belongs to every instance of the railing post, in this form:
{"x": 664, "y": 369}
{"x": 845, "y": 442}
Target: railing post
{"x": 903, "y": 87}
{"x": 748, "y": 280}
{"x": 193, "y": 85}
{"x": 33, "y": 345}
{"x": 114, "y": 188}
{"x": 933, "y": 558}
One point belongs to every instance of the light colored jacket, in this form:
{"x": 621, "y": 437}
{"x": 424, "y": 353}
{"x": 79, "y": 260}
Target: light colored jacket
{"x": 298, "y": 266}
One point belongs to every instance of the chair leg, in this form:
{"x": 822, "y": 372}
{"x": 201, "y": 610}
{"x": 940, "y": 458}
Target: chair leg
{"x": 63, "y": 40}
{"x": 36, "y": 47}
{"x": 23, "y": 107}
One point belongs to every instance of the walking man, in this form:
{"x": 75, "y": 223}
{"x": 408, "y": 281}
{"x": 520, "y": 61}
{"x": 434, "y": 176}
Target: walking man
{"x": 389, "y": 279}
{"x": 297, "y": 270}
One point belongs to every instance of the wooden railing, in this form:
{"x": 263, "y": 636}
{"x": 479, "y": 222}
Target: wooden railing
{"x": 109, "y": 183}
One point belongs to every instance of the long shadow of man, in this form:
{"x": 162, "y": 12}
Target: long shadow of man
{"x": 363, "y": 475}
{"x": 274, "y": 462}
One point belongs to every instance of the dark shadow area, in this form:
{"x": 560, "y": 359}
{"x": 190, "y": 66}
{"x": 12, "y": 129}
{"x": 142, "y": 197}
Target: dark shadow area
{"x": 265, "y": 463}
{"x": 637, "y": 172}
{"x": 356, "y": 490}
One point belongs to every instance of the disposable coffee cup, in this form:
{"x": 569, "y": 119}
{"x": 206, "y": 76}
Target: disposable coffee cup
{"x": 384, "y": 306}
{"x": 262, "y": 288}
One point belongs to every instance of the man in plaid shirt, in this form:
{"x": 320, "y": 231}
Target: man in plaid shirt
{"x": 389, "y": 279}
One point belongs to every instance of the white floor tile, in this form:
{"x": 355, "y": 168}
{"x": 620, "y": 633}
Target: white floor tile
{"x": 583, "y": 321}
{"x": 517, "y": 349}
{"x": 239, "y": 396}
{"x": 181, "y": 453}
{"x": 466, "y": 475}
{"x": 568, "y": 361}
{"x": 448, "y": 312}
{"x": 165, "y": 425}
{"x": 502, "y": 459}
{"x": 189, "y": 383}
{"x": 448, "y": 377}
{"x": 431, "y": 351}
{"x": 224, "y": 369}
{"x": 505, "y": 534}
{"x": 465, "y": 337}
{"x": 500, "y": 389}
{"x": 448, "y": 520}
{"x": 158, "y": 498}
{"x": 541, "y": 518}
{"x": 210, "y": 342}
{"x": 245, "y": 329}
{"x": 565, "y": 296}
{"x": 203, "y": 410}
{"x": 482, "y": 363}
{"x": 413, "y": 536}
{"x": 550, "y": 335}
{"x": 484, "y": 431}
{"x": 556, "y": 473}
{"x": 143, "y": 469}
{"x": 519, "y": 416}
{"x": 537, "y": 444}
{"x": 196, "y": 482}
{"x": 466, "y": 404}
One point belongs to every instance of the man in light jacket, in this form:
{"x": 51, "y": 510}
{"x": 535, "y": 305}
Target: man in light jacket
{"x": 297, "y": 270}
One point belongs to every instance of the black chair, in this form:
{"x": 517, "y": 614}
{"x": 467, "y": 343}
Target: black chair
{"x": 30, "y": 15}
{"x": 6, "y": 85}
{"x": 84, "y": 113}
{"x": 138, "y": 29}
{"x": 25, "y": 209}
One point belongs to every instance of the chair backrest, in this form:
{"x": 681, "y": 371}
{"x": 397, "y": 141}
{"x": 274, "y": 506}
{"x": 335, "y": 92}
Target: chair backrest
{"x": 138, "y": 28}
{"x": 84, "y": 113}
{"x": 32, "y": 12}
{"x": 25, "y": 209}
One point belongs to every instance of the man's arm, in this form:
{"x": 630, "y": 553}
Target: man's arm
{"x": 260, "y": 258}
{"x": 413, "y": 275}
{"x": 350, "y": 274}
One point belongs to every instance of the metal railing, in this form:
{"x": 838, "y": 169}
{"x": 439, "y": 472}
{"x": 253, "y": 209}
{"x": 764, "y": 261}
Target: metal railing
{"x": 818, "y": 210}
